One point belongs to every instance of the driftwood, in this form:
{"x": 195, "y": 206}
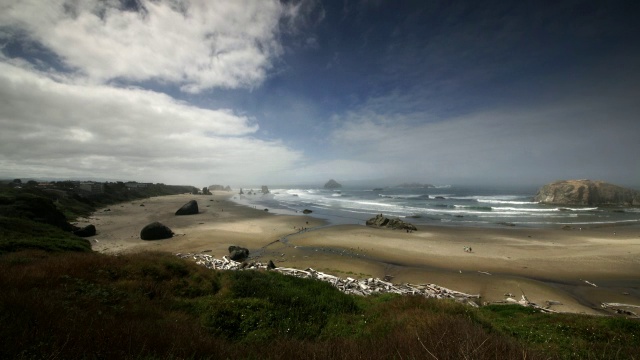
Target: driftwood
{"x": 349, "y": 285}
{"x": 524, "y": 301}
{"x": 618, "y": 308}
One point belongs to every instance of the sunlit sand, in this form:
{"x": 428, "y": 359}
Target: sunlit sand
{"x": 578, "y": 268}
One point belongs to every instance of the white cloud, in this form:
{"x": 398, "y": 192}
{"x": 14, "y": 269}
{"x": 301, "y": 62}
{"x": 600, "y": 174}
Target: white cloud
{"x": 197, "y": 44}
{"x": 54, "y": 128}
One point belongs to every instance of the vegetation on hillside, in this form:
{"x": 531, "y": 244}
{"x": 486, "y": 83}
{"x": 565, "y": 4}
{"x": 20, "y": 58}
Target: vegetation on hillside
{"x": 36, "y": 218}
{"x": 60, "y": 300}
{"x": 18, "y": 234}
{"x": 153, "y": 305}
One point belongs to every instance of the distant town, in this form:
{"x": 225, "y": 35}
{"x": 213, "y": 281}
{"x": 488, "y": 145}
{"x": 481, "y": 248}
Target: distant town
{"x": 79, "y": 187}
{"x": 95, "y": 188}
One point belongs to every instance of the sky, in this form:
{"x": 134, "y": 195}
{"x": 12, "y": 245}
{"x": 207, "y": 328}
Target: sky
{"x": 242, "y": 92}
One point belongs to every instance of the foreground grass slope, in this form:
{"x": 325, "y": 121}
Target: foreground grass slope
{"x": 76, "y": 305}
{"x": 17, "y": 234}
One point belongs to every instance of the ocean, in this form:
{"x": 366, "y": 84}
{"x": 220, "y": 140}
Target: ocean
{"x": 442, "y": 205}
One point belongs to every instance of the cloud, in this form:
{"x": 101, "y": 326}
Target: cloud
{"x": 573, "y": 138}
{"x": 198, "y": 44}
{"x": 54, "y": 127}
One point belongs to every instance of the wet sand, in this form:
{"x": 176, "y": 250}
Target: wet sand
{"x": 544, "y": 264}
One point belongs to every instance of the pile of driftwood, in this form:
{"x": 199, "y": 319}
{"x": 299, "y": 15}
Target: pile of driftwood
{"x": 524, "y": 301}
{"x": 371, "y": 286}
{"x": 622, "y": 309}
{"x": 347, "y": 285}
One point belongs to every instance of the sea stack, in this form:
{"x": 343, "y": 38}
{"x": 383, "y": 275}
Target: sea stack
{"x": 588, "y": 193}
{"x": 332, "y": 184}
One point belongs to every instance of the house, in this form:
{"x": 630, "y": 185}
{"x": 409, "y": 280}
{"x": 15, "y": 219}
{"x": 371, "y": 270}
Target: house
{"x": 91, "y": 187}
{"x": 132, "y": 185}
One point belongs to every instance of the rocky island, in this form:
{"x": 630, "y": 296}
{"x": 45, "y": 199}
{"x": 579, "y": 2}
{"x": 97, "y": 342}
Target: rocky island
{"x": 587, "y": 192}
{"x": 332, "y": 184}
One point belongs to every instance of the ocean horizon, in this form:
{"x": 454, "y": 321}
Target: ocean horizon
{"x": 439, "y": 205}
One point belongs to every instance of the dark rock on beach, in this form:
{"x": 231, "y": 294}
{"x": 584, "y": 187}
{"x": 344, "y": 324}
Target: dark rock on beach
{"x": 237, "y": 253}
{"x": 89, "y": 230}
{"x": 587, "y": 192}
{"x": 332, "y": 184}
{"x": 306, "y": 211}
{"x": 189, "y": 208}
{"x": 395, "y": 223}
{"x": 155, "y": 231}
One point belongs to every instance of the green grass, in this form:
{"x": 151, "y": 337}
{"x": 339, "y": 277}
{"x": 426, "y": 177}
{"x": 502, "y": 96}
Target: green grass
{"x": 19, "y": 234}
{"x": 569, "y": 335}
{"x": 154, "y": 305}
{"x": 262, "y": 305}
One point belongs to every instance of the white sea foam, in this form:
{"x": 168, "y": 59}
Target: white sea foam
{"x": 493, "y": 201}
{"x": 459, "y": 206}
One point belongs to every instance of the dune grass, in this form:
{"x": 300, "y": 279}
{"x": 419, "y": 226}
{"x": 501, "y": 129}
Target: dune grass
{"x": 153, "y": 305}
{"x": 17, "y": 234}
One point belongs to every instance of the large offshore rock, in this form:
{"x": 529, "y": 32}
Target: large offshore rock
{"x": 393, "y": 223}
{"x": 155, "y": 231}
{"x": 189, "y": 208}
{"x": 332, "y": 184}
{"x": 586, "y": 192}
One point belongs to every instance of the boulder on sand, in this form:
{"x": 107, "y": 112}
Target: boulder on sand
{"x": 155, "y": 231}
{"x": 395, "y": 223}
{"x": 237, "y": 253}
{"x": 86, "y": 231}
{"x": 189, "y": 208}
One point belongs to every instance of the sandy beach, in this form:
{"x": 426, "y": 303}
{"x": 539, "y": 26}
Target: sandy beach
{"x": 579, "y": 268}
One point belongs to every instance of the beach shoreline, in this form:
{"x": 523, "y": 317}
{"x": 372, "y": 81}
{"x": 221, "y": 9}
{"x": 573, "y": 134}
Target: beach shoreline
{"x": 544, "y": 264}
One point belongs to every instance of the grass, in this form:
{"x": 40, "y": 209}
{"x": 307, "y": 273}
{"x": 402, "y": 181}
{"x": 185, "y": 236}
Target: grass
{"x": 153, "y": 305}
{"x": 573, "y": 336}
{"x": 19, "y": 234}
